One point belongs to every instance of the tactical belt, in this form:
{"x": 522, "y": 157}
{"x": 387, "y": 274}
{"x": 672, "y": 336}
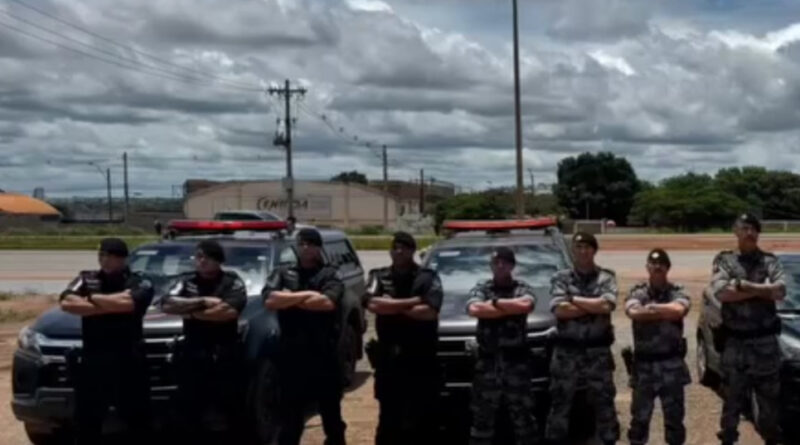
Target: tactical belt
{"x": 657, "y": 357}
{"x": 752, "y": 333}
{"x": 680, "y": 352}
{"x": 571, "y": 343}
{"x": 513, "y": 352}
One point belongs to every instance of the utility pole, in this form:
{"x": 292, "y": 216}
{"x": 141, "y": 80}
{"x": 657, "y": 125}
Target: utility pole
{"x": 421, "y": 191}
{"x": 518, "y": 113}
{"x": 125, "y": 176}
{"x": 285, "y": 140}
{"x": 108, "y": 186}
{"x": 385, "y": 189}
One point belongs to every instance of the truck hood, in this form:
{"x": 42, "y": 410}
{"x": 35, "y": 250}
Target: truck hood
{"x": 56, "y": 323}
{"x": 454, "y": 320}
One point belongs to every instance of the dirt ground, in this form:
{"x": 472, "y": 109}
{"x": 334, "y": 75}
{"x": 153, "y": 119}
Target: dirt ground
{"x": 360, "y": 409}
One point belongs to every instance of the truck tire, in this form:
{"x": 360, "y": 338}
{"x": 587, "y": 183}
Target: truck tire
{"x": 350, "y": 348}
{"x": 262, "y": 402}
{"x": 707, "y": 376}
{"x": 53, "y": 437}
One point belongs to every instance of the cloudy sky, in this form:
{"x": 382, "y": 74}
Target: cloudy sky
{"x": 180, "y": 85}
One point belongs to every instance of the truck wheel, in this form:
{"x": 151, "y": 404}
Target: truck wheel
{"x": 707, "y": 377}
{"x": 262, "y": 402}
{"x": 42, "y": 437}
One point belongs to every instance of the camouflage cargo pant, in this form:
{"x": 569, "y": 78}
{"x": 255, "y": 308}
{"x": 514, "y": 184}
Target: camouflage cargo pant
{"x": 502, "y": 381}
{"x": 666, "y": 380}
{"x": 751, "y": 366}
{"x": 571, "y": 369}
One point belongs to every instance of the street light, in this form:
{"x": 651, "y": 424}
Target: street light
{"x": 518, "y": 113}
{"x": 107, "y": 176}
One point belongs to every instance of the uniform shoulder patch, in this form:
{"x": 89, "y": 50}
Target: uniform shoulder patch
{"x": 608, "y": 272}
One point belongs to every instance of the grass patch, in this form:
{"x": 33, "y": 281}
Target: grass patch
{"x": 385, "y": 242}
{"x": 64, "y": 242}
{"x": 13, "y": 315}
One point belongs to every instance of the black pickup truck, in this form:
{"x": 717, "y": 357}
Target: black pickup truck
{"x": 709, "y": 357}
{"x": 42, "y": 382}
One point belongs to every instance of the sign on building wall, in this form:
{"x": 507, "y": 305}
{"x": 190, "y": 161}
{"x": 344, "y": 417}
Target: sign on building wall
{"x": 305, "y": 207}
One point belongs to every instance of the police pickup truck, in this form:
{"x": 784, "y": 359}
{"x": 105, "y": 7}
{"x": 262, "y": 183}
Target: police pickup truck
{"x": 461, "y": 260}
{"x": 42, "y": 376}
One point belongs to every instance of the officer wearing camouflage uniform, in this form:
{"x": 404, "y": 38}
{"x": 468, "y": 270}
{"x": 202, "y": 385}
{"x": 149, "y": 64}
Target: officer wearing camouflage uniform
{"x": 657, "y": 308}
{"x": 502, "y": 376}
{"x": 406, "y": 299}
{"x": 582, "y": 301}
{"x": 111, "y": 368}
{"x": 748, "y": 282}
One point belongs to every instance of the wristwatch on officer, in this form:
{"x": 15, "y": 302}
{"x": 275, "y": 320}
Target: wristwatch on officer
{"x": 89, "y": 298}
{"x": 737, "y": 284}
{"x": 494, "y": 302}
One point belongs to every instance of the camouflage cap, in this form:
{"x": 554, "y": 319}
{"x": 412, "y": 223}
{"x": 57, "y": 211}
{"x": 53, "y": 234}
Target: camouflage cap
{"x": 505, "y": 254}
{"x": 750, "y": 220}
{"x": 585, "y": 238}
{"x": 659, "y": 256}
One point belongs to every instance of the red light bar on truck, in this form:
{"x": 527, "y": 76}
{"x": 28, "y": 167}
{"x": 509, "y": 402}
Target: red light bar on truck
{"x": 226, "y": 226}
{"x": 500, "y": 225}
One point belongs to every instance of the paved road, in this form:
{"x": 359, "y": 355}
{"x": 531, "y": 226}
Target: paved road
{"x": 49, "y": 271}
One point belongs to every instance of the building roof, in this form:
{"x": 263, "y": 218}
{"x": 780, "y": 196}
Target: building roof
{"x": 14, "y": 204}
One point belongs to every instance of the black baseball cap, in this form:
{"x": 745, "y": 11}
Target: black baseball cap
{"x": 659, "y": 256}
{"x": 751, "y": 220}
{"x": 585, "y": 238}
{"x": 212, "y": 249}
{"x": 505, "y": 254}
{"x": 310, "y": 236}
{"x": 114, "y": 246}
{"x": 404, "y": 239}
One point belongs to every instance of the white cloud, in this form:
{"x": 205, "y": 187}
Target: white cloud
{"x": 668, "y": 92}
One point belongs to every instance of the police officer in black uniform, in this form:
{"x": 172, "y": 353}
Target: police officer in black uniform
{"x": 209, "y": 359}
{"x": 308, "y": 300}
{"x": 111, "y": 368}
{"x": 406, "y": 299}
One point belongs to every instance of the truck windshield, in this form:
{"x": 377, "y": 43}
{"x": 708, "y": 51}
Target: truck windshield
{"x": 792, "y": 269}
{"x": 461, "y": 268}
{"x": 164, "y": 262}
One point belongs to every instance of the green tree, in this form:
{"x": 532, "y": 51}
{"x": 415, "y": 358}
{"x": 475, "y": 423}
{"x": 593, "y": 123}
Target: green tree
{"x": 772, "y": 194}
{"x": 595, "y": 186}
{"x": 351, "y": 177}
{"x": 687, "y": 202}
{"x": 494, "y": 204}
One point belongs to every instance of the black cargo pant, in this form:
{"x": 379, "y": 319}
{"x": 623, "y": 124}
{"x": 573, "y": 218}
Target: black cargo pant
{"x": 211, "y": 380}
{"x": 407, "y": 389}
{"x": 111, "y": 377}
{"x": 309, "y": 379}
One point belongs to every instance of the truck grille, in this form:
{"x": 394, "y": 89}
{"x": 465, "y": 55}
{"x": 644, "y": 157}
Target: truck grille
{"x": 54, "y": 372}
{"x": 458, "y": 363}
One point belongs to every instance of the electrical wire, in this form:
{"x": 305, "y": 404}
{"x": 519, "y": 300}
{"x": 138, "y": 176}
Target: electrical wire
{"x": 130, "y": 48}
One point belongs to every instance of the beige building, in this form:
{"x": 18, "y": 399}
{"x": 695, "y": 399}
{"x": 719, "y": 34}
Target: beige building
{"x": 323, "y": 203}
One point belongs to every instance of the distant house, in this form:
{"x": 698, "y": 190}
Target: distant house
{"x": 21, "y": 210}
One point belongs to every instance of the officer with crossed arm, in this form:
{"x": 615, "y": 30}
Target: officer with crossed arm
{"x": 657, "y": 308}
{"x": 111, "y": 368}
{"x": 502, "y": 374}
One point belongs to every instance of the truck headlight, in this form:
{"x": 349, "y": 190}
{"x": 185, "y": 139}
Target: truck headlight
{"x": 790, "y": 348}
{"x": 28, "y": 339}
